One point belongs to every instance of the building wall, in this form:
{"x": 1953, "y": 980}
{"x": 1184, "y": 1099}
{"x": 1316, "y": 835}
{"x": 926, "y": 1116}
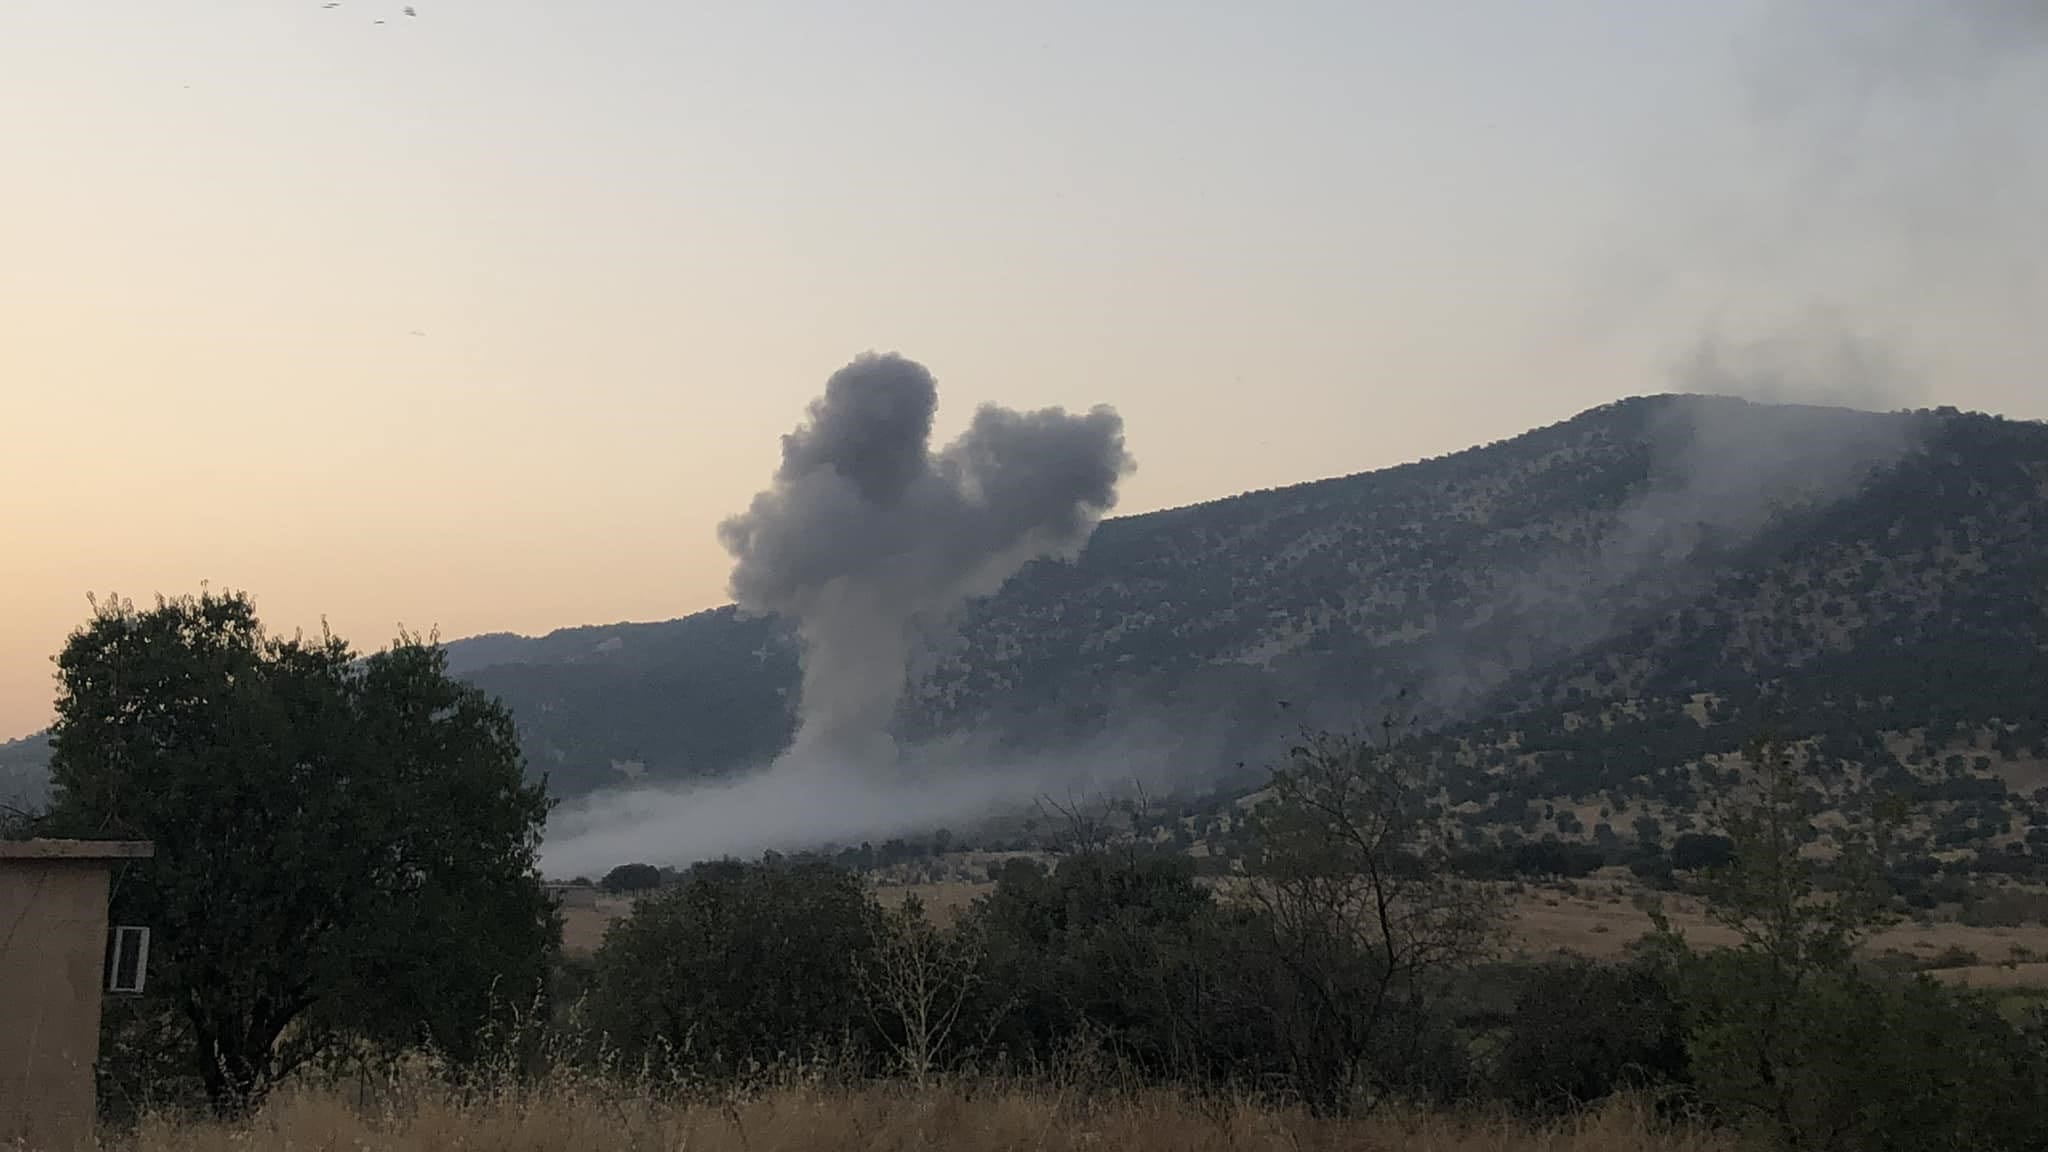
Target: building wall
{"x": 53, "y": 939}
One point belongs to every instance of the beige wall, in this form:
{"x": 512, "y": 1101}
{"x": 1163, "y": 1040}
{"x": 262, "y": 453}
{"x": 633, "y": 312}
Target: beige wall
{"x": 53, "y": 931}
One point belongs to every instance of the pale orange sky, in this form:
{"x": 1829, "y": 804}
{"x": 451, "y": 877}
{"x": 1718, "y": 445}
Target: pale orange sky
{"x": 1286, "y": 241}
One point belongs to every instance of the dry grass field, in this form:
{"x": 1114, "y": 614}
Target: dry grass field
{"x": 807, "y": 1119}
{"x": 1997, "y": 977}
{"x": 1603, "y": 916}
{"x": 584, "y": 922}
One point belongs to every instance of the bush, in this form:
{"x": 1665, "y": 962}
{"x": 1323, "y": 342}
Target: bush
{"x": 1580, "y": 1031}
{"x": 736, "y": 966}
{"x": 2009, "y": 909}
{"x": 1694, "y": 851}
{"x": 1865, "y": 1060}
{"x": 1557, "y": 858}
{"x": 1654, "y": 871}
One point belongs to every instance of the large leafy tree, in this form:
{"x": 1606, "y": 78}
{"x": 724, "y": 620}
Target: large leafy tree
{"x": 345, "y": 847}
{"x": 738, "y": 965}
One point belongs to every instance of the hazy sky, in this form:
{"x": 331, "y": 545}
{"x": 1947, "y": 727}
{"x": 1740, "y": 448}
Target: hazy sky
{"x": 485, "y": 318}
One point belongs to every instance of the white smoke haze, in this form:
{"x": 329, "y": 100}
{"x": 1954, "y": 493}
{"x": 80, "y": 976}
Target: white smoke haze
{"x": 870, "y": 541}
{"x": 794, "y": 804}
{"x": 1799, "y": 419}
{"x": 1863, "y": 218}
{"x": 1880, "y": 160}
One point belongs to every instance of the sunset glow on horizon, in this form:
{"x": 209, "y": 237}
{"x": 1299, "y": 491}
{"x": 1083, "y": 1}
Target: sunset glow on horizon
{"x": 483, "y": 319}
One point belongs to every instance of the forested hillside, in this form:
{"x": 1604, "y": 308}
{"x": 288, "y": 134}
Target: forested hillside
{"x": 1594, "y": 588}
{"x": 1592, "y": 606}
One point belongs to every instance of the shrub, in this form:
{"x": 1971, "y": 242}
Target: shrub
{"x": 1580, "y": 1031}
{"x": 736, "y": 966}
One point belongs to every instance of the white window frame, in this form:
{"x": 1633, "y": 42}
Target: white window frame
{"x": 118, "y": 941}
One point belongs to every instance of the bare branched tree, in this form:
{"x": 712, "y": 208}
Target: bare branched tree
{"x": 1364, "y": 913}
{"x": 920, "y": 978}
{"x": 1099, "y": 823}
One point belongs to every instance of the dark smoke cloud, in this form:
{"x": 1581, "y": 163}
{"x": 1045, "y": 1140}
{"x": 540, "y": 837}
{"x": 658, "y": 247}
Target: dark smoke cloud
{"x": 867, "y": 538}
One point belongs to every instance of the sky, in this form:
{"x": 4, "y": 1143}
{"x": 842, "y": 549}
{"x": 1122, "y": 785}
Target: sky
{"x": 482, "y": 319}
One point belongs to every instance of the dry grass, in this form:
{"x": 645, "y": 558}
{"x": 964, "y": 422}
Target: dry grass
{"x": 944, "y": 901}
{"x": 1602, "y": 919}
{"x": 1996, "y": 976}
{"x": 803, "y": 1119}
{"x": 584, "y": 922}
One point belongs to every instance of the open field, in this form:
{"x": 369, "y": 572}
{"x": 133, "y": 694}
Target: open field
{"x": 1602, "y": 917}
{"x": 1596, "y": 917}
{"x": 802, "y": 1119}
{"x": 1997, "y": 976}
{"x": 584, "y": 921}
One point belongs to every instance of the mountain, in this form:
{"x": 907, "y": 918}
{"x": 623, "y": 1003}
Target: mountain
{"x": 1607, "y": 607}
{"x": 24, "y": 772}
{"x": 1640, "y": 575}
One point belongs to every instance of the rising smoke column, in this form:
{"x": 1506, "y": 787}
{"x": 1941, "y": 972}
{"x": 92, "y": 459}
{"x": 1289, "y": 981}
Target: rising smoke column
{"x": 866, "y": 536}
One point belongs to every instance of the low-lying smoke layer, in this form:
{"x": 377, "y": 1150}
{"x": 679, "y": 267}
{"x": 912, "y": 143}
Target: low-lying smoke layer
{"x": 796, "y": 805}
{"x": 866, "y": 536}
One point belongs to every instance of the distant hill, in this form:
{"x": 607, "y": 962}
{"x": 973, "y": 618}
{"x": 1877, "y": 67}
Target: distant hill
{"x": 1625, "y": 560}
{"x": 1604, "y": 605}
{"x": 24, "y": 772}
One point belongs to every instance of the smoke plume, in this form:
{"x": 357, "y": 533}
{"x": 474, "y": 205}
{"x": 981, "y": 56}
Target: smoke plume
{"x": 1790, "y": 422}
{"x": 1855, "y": 224}
{"x": 867, "y": 538}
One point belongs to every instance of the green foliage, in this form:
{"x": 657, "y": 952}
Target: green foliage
{"x": 1323, "y": 984}
{"x": 1850, "y": 1058}
{"x": 631, "y": 878}
{"x": 1770, "y": 890}
{"x": 737, "y": 966}
{"x": 1362, "y": 909}
{"x": 1552, "y": 857}
{"x": 1693, "y": 851}
{"x": 1790, "y": 1036}
{"x": 1579, "y": 1031}
{"x": 1097, "y": 944}
{"x": 345, "y": 850}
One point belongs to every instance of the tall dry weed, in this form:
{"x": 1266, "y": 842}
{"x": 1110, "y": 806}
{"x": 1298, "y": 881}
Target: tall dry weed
{"x": 571, "y": 1115}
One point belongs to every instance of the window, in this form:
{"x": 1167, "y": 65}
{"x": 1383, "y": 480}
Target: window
{"x": 127, "y": 959}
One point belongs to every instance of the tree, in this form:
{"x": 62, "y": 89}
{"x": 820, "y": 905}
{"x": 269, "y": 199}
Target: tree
{"x": 736, "y": 965}
{"x": 1362, "y": 908}
{"x": 1581, "y": 1031}
{"x": 916, "y": 982}
{"x": 631, "y": 878}
{"x": 1695, "y": 851}
{"x": 345, "y": 847}
{"x": 1786, "y": 1033}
